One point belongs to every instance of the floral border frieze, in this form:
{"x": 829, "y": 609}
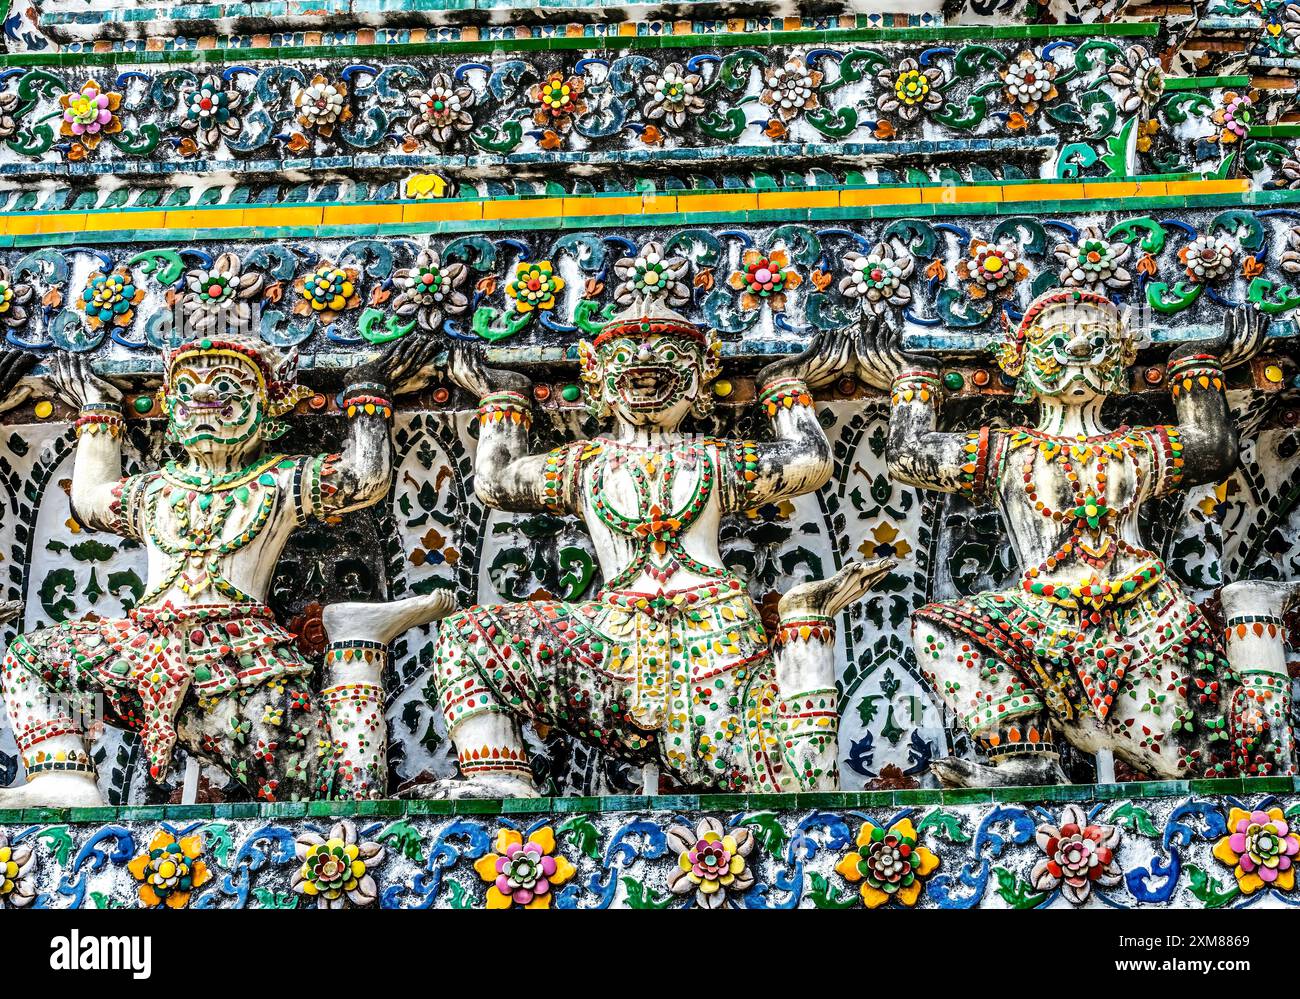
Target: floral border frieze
{"x": 1202, "y": 851}
{"x": 752, "y": 282}
{"x": 1097, "y": 96}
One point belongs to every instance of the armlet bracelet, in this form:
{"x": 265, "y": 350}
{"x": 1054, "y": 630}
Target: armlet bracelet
{"x": 914, "y": 385}
{"x": 99, "y": 421}
{"x": 370, "y": 405}
{"x": 1186, "y": 373}
{"x": 505, "y": 406}
{"x": 784, "y": 393}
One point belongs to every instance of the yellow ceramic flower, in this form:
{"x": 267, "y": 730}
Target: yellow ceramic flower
{"x": 523, "y": 873}
{"x": 332, "y": 868}
{"x": 327, "y": 291}
{"x": 911, "y": 86}
{"x": 1261, "y": 848}
{"x": 8, "y": 870}
{"x": 170, "y": 870}
{"x": 425, "y": 185}
{"x": 17, "y": 890}
{"x": 328, "y": 288}
{"x": 889, "y": 864}
{"x": 534, "y": 286}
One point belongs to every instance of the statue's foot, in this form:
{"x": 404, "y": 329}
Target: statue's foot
{"x": 478, "y": 786}
{"x": 1018, "y": 771}
{"x": 827, "y": 597}
{"x": 53, "y": 790}
{"x": 383, "y": 622}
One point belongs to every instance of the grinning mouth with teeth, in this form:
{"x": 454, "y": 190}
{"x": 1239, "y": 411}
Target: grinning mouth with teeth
{"x": 648, "y": 387}
{"x": 206, "y": 416}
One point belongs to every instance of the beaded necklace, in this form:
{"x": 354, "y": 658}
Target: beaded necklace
{"x": 197, "y": 549}
{"x": 657, "y": 532}
{"x": 1093, "y": 523}
{"x": 206, "y": 482}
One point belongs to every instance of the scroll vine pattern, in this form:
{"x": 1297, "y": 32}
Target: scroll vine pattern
{"x": 1099, "y": 94}
{"x": 958, "y": 275}
{"x": 1161, "y": 851}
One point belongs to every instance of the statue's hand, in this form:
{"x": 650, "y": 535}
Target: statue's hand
{"x": 14, "y": 363}
{"x": 829, "y": 356}
{"x": 467, "y": 368}
{"x": 880, "y": 354}
{"x": 77, "y": 382}
{"x": 1244, "y": 329}
{"x": 404, "y": 366}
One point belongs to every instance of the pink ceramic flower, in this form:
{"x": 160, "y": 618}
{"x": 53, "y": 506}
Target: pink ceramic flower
{"x": 88, "y": 111}
{"x": 87, "y": 116}
{"x": 1235, "y": 115}
{"x": 1261, "y": 847}
{"x": 711, "y": 861}
{"x": 523, "y": 872}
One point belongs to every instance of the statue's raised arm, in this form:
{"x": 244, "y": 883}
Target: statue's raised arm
{"x": 361, "y": 474}
{"x": 798, "y": 458}
{"x": 506, "y": 476}
{"x": 917, "y": 453}
{"x": 1195, "y": 375}
{"x": 97, "y": 467}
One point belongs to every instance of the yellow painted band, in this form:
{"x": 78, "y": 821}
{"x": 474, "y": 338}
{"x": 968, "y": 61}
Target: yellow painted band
{"x": 613, "y": 207}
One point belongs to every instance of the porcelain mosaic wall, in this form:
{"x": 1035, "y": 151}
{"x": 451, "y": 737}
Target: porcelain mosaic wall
{"x": 947, "y": 280}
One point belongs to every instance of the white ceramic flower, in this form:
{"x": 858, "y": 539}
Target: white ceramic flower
{"x": 1208, "y": 258}
{"x": 651, "y": 275}
{"x": 673, "y": 95}
{"x": 1030, "y": 79}
{"x": 1092, "y": 261}
{"x": 791, "y": 89}
{"x": 322, "y": 105}
{"x": 1140, "y": 78}
{"x": 877, "y": 278}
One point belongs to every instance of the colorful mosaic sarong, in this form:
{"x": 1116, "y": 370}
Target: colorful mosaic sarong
{"x": 1076, "y": 661}
{"x": 684, "y": 675}
{"x": 146, "y": 663}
